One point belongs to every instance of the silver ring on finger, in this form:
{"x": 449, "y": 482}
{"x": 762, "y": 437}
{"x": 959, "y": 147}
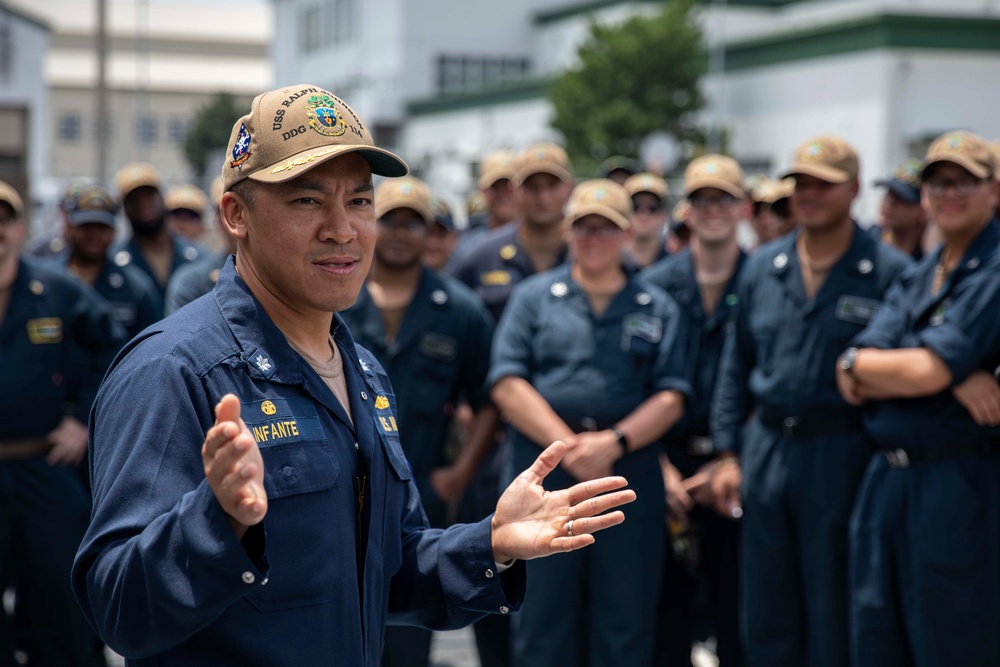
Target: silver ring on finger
{"x": 569, "y": 527}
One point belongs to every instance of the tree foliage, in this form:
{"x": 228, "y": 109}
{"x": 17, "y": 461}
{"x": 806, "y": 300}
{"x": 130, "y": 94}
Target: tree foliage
{"x": 633, "y": 78}
{"x": 209, "y": 130}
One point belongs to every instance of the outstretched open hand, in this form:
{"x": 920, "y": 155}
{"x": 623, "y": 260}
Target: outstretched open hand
{"x": 531, "y": 522}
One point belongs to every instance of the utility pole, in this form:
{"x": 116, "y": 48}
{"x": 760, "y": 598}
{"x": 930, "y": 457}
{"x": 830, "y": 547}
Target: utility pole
{"x": 102, "y": 91}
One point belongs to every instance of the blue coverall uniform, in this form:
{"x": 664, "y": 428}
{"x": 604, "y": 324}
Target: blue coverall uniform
{"x": 925, "y": 534}
{"x": 161, "y": 574}
{"x": 440, "y": 355}
{"x": 689, "y": 448}
{"x": 596, "y": 607}
{"x": 57, "y": 337}
{"x": 803, "y": 452}
{"x": 185, "y": 252}
{"x": 492, "y": 265}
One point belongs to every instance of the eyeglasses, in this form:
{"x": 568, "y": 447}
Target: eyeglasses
{"x": 412, "y": 226}
{"x": 650, "y": 208}
{"x": 602, "y": 232}
{"x": 964, "y": 186}
{"x": 702, "y": 202}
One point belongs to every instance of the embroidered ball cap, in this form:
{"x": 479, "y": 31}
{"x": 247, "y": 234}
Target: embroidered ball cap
{"x": 967, "y": 150}
{"x": 293, "y": 129}
{"x": 905, "y": 181}
{"x": 137, "y": 175}
{"x": 93, "y": 204}
{"x": 543, "y": 158}
{"x": 442, "y": 213}
{"x": 616, "y": 163}
{"x": 497, "y": 166}
{"x": 9, "y": 196}
{"x": 828, "y": 158}
{"x": 772, "y": 191}
{"x": 714, "y": 171}
{"x": 187, "y": 197}
{"x": 602, "y": 197}
{"x": 406, "y": 192}
{"x": 646, "y": 182}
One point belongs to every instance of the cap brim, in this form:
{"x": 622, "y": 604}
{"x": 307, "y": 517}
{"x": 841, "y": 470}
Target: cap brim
{"x": 487, "y": 180}
{"x": 387, "y": 204}
{"x": 85, "y": 217}
{"x": 820, "y": 171}
{"x": 907, "y": 193}
{"x": 596, "y": 209}
{"x": 975, "y": 168}
{"x": 718, "y": 184}
{"x": 556, "y": 171}
{"x": 381, "y": 161}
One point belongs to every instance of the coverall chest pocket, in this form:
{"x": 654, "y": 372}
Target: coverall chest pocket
{"x": 309, "y": 537}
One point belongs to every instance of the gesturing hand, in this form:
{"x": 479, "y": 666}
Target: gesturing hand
{"x": 531, "y": 522}
{"x": 234, "y": 467}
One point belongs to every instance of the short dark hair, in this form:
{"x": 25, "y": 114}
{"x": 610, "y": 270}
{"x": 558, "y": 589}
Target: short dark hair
{"x": 247, "y": 192}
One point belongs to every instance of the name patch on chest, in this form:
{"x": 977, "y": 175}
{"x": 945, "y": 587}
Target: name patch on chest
{"x": 856, "y": 309}
{"x": 45, "y": 330}
{"x": 642, "y": 326}
{"x": 276, "y": 421}
{"x": 494, "y": 278}
{"x": 438, "y": 346}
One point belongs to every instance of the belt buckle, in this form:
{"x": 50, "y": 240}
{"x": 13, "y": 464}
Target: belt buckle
{"x": 897, "y": 458}
{"x": 789, "y": 427}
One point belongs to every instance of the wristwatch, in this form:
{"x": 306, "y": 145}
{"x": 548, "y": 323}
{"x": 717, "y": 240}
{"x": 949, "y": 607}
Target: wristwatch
{"x": 622, "y": 439}
{"x": 848, "y": 359}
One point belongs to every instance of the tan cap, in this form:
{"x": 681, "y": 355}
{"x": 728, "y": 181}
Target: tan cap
{"x": 137, "y": 175}
{"x": 9, "y": 195}
{"x": 602, "y": 197}
{"x": 497, "y": 166}
{"x": 996, "y": 158}
{"x": 967, "y": 150}
{"x": 769, "y": 192}
{"x": 215, "y": 194}
{"x": 646, "y": 182}
{"x": 714, "y": 171}
{"x": 477, "y": 204}
{"x": 187, "y": 197}
{"x": 406, "y": 192}
{"x": 293, "y": 129}
{"x": 827, "y": 158}
{"x": 543, "y": 158}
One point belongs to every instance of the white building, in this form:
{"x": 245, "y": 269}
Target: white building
{"x": 24, "y": 138}
{"x": 166, "y": 58}
{"x": 887, "y": 75}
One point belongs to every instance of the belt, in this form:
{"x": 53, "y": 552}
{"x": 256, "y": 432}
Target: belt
{"x": 803, "y": 428}
{"x": 904, "y": 457}
{"x": 26, "y": 448}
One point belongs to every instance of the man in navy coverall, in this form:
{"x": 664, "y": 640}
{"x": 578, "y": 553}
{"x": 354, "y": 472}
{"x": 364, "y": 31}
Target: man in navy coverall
{"x": 252, "y": 504}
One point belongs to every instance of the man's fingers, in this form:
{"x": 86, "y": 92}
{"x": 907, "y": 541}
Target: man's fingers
{"x": 229, "y": 454}
{"x": 582, "y": 491}
{"x": 590, "y": 525}
{"x": 601, "y": 504}
{"x": 548, "y": 460}
{"x": 219, "y": 435}
{"x": 228, "y": 409}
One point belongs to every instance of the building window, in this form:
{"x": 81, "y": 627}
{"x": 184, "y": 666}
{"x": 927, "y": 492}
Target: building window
{"x": 69, "y": 127}
{"x": 146, "y": 130}
{"x": 326, "y": 23}
{"x": 456, "y": 74}
{"x": 177, "y": 131}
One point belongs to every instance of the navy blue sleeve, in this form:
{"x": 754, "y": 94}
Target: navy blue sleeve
{"x": 671, "y": 371}
{"x": 476, "y": 356}
{"x": 968, "y": 330}
{"x": 732, "y": 401}
{"x": 158, "y": 541}
{"x": 890, "y": 322}
{"x": 100, "y": 337}
{"x": 512, "y": 343}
